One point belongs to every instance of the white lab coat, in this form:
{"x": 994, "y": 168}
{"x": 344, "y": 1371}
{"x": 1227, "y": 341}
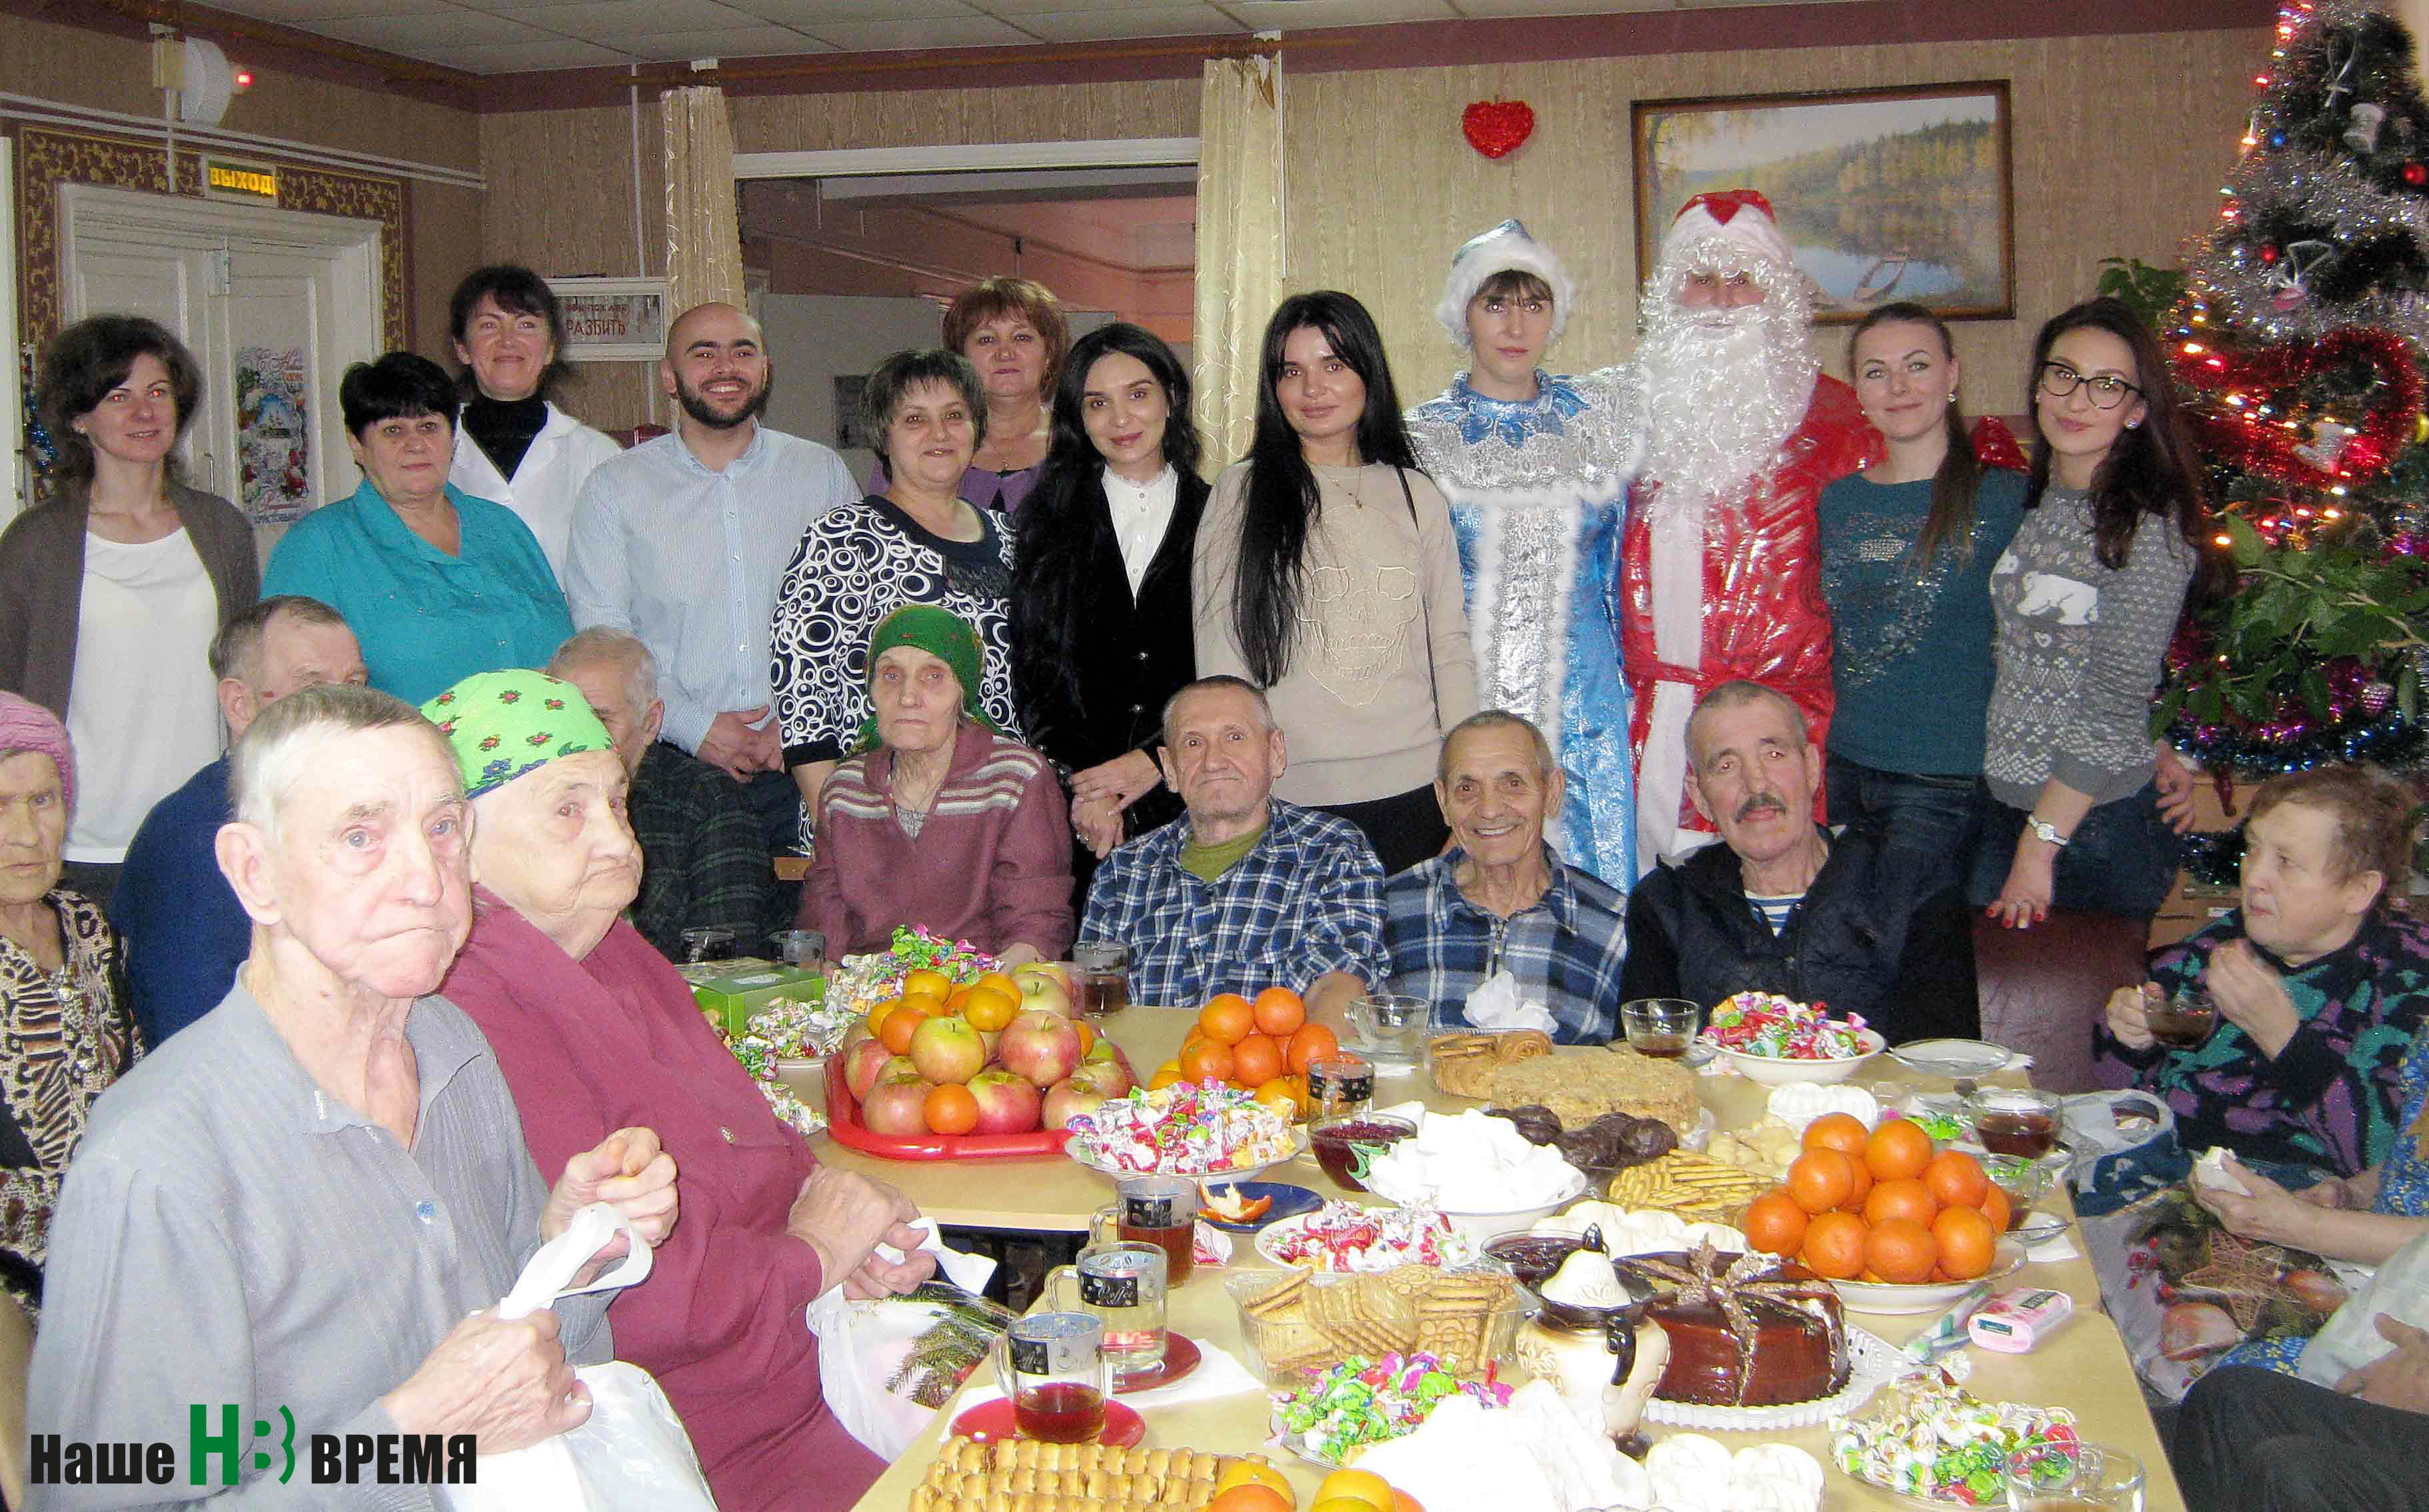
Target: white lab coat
{"x": 547, "y": 483}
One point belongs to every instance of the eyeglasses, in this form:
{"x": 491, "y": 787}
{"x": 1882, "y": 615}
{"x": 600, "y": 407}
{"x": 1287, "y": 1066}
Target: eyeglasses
{"x": 2059, "y": 379}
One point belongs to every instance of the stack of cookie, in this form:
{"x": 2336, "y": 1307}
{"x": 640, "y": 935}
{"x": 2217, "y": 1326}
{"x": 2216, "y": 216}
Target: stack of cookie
{"x": 1463, "y": 1318}
{"x": 1464, "y": 1064}
{"x": 1696, "y": 1187}
{"x": 1022, "y": 1475}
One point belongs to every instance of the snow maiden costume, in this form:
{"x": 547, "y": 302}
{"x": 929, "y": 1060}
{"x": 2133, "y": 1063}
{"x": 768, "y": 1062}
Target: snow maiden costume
{"x": 1537, "y": 492}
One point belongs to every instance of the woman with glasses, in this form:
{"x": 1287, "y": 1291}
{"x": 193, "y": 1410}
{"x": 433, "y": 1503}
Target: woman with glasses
{"x": 2086, "y": 598}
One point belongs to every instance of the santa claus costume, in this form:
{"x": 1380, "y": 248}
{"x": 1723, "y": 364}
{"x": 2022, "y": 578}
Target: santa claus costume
{"x": 1721, "y": 570}
{"x": 1538, "y": 493}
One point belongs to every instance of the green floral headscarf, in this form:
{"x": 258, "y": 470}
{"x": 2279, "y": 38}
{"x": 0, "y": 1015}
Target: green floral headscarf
{"x": 503, "y": 724}
{"x": 941, "y": 633}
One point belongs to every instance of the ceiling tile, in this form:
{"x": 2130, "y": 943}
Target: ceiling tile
{"x": 305, "y": 12}
{"x": 1130, "y": 21}
{"x": 743, "y": 42}
{"x": 809, "y": 14}
{"x": 516, "y": 57}
{"x": 1261, "y": 14}
{"x": 603, "y": 20}
{"x": 1014, "y": 9}
{"x": 1496, "y": 9}
{"x": 417, "y": 35}
{"x": 940, "y": 32}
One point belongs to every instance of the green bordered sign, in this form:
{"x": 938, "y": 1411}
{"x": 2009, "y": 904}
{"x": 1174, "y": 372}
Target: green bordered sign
{"x": 225, "y": 178}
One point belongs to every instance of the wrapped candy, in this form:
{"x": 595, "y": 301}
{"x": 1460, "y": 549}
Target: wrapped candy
{"x": 1782, "y": 1029}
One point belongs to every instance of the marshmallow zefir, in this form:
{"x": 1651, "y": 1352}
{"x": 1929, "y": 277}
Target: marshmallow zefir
{"x": 1506, "y": 248}
{"x": 503, "y": 724}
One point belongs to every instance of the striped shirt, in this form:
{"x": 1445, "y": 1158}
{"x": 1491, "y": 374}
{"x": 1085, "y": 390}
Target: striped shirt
{"x": 1564, "y": 949}
{"x": 231, "y": 1233}
{"x": 1776, "y": 912}
{"x": 1307, "y": 900}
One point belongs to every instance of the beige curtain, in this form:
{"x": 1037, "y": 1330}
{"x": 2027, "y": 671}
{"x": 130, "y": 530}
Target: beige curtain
{"x": 1239, "y": 244}
{"x": 704, "y": 230}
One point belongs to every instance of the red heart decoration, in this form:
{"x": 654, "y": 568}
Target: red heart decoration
{"x": 1496, "y": 128}
{"x": 2238, "y": 435}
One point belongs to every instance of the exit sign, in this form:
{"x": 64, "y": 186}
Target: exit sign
{"x": 250, "y": 183}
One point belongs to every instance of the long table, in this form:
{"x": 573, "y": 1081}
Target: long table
{"x": 2083, "y": 1367}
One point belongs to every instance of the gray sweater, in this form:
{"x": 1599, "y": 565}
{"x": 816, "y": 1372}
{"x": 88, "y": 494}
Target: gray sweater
{"x": 2080, "y": 648}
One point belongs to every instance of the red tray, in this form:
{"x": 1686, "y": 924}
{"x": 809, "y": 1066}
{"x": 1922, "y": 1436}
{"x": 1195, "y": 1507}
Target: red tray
{"x": 843, "y": 1122}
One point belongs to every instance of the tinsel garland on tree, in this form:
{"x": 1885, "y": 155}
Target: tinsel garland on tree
{"x": 2299, "y": 337}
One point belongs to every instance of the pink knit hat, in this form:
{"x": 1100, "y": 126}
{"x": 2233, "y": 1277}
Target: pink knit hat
{"x": 28, "y": 725}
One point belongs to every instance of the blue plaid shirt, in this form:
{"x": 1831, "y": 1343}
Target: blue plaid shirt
{"x": 1564, "y": 949}
{"x": 1307, "y": 899}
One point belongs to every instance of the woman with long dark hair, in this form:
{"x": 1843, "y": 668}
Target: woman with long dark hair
{"x": 1328, "y": 575}
{"x": 1099, "y": 603}
{"x": 2086, "y": 598}
{"x": 1907, "y": 550}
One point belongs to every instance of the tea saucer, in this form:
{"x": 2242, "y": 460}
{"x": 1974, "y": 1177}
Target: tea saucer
{"x": 990, "y": 1421}
{"x": 1181, "y": 1357}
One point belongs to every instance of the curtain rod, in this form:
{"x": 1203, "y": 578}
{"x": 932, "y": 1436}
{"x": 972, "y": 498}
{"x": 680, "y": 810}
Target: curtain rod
{"x": 88, "y": 118}
{"x": 812, "y": 65}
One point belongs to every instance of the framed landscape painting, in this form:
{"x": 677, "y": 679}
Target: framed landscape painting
{"x": 1883, "y": 194}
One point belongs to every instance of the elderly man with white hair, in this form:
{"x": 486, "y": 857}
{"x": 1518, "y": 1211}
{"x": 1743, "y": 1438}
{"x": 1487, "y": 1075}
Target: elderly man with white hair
{"x": 312, "y": 1198}
{"x": 1722, "y": 571}
{"x": 703, "y": 862}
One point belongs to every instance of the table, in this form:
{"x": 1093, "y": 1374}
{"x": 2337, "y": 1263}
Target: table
{"x": 2084, "y": 1367}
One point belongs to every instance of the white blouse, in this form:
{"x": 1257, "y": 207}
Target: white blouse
{"x": 1141, "y": 513}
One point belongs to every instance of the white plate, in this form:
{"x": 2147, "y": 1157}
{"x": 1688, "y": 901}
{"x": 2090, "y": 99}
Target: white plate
{"x": 1243, "y": 1173}
{"x": 1929, "y": 1296}
{"x": 1271, "y": 1237}
{"x": 1774, "y": 1070}
{"x": 1952, "y": 1057}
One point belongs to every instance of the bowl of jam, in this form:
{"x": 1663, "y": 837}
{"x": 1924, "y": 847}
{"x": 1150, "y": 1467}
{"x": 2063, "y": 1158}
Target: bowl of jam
{"x": 1344, "y": 1146}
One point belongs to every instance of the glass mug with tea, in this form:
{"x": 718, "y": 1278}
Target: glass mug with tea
{"x": 1053, "y": 1368}
{"x": 2182, "y": 1022}
{"x": 1340, "y": 1084}
{"x": 1101, "y": 971}
{"x": 1391, "y": 1028}
{"x": 1121, "y": 1285}
{"x": 2016, "y": 1120}
{"x": 1158, "y": 1211}
{"x": 1662, "y": 1027}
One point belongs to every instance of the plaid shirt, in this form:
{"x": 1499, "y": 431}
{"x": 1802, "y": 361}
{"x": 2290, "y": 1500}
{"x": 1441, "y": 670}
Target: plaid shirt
{"x": 703, "y": 862}
{"x": 1564, "y": 948}
{"x": 1307, "y": 899}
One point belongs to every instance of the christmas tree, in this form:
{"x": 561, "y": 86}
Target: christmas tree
{"x": 2299, "y": 338}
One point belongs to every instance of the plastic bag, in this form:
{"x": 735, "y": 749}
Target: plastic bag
{"x": 2351, "y": 1339}
{"x": 887, "y": 1365}
{"x": 631, "y": 1453}
{"x": 2125, "y": 1150}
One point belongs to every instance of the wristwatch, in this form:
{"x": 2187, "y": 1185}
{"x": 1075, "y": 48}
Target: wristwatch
{"x": 2045, "y": 831}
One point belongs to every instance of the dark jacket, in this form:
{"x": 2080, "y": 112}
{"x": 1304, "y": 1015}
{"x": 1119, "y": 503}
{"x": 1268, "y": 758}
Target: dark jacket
{"x": 1134, "y": 653}
{"x": 41, "y": 560}
{"x": 1883, "y": 931}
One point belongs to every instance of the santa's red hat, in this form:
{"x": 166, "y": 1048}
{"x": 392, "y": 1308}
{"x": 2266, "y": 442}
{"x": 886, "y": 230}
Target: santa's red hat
{"x": 1740, "y": 217}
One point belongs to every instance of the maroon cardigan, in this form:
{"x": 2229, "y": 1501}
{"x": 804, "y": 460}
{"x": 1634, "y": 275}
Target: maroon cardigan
{"x": 992, "y": 865}
{"x": 615, "y": 1039}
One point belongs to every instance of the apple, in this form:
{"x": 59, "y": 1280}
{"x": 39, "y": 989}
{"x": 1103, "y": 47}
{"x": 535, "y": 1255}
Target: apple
{"x": 1042, "y": 1045}
{"x": 1043, "y": 990}
{"x": 896, "y": 1107}
{"x": 990, "y": 1038}
{"x": 946, "y": 1049}
{"x": 855, "y": 1035}
{"x": 1067, "y": 1098}
{"x": 1058, "y": 970}
{"x": 1108, "y": 1075}
{"x": 863, "y": 1064}
{"x": 1007, "y": 1103}
{"x": 898, "y": 1068}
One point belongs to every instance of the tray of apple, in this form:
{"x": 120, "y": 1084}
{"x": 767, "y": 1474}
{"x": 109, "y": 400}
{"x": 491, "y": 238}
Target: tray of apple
{"x": 958, "y": 1058}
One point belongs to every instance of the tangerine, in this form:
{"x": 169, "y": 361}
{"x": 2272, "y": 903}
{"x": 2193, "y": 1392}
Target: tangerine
{"x": 1898, "y": 1149}
{"x": 1207, "y": 1061}
{"x": 1280, "y": 1012}
{"x": 1834, "y": 1245}
{"x": 899, "y": 1024}
{"x": 1863, "y": 1187}
{"x": 1226, "y": 1018}
{"x": 1250, "y": 1472}
{"x": 1775, "y": 1223}
{"x": 1956, "y": 1179}
{"x": 1252, "y": 1496}
{"x": 1403, "y": 1502}
{"x": 1087, "y": 1034}
{"x": 1309, "y": 1043}
{"x": 1843, "y": 1132}
{"x": 1256, "y": 1059}
{"x": 951, "y": 1110}
{"x": 1821, "y": 1180}
{"x": 1996, "y": 1208}
{"x": 1166, "y": 1075}
{"x": 1901, "y": 1250}
{"x": 1358, "y": 1485}
{"x": 1904, "y": 1197}
{"x": 1001, "y": 983}
{"x": 1277, "y": 1093}
{"x": 989, "y": 1008}
{"x": 925, "y": 980}
{"x": 1967, "y": 1241}
{"x": 876, "y": 1020}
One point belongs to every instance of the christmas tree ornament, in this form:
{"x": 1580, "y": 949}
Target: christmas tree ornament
{"x": 2362, "y": 134}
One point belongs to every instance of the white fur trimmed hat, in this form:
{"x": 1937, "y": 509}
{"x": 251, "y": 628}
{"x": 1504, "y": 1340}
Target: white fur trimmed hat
{"x": 1506, "y": 248}
{"x": 1741, "y": 217}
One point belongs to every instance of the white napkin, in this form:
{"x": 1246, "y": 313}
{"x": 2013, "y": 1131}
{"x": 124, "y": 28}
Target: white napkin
{"x": 1218, "y": 1374}
{"x": 1496, "y": 1006}
{"x": 969, "y": 1272}
{"x": 2057, "y": 1247}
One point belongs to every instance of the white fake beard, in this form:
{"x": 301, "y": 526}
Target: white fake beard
{"x": 1722, "y": 389}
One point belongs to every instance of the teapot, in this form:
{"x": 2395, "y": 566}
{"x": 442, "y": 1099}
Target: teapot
{"x": 1605, "y": 1360}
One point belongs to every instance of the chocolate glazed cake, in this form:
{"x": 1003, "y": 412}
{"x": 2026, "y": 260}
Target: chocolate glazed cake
{"x": 1746, "y": 1330}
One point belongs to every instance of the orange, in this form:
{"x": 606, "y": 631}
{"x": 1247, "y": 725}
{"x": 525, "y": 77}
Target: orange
{"x": 932, "y": 1004}
{"x": 1001, "y": 983}
{"x": 1956, "y": 1179}
{"x": 1774, "y": 1224}
{"x": 1226, "y": 1018}
{"x": 1279, "y": 1095}
{"x": 1310, "y": 1043}
{"x": 1863, "y": 1187}
{"x": 990, "y": 1009}
{"x": 1298, "y": 1090}
{"x": 1996, "y": 1208}
{"x": 1967, "y": 1242}
{"x": 1834, "y": 1245}
{"x": 951, "y": 1110}
{"x": 1248, "y": 1472}
{"x": 1403, "y": 1502}
{"x": 1821, "y": 1180}
{"x": 876, "y": 1020}
{"x": 1087, "y": 1034}
{"x": 1899, "y": 1149}
{"x": 1278, "y": 1012}
{"x": 921, "y": 979}
{"x": 899, "y": 1025}
{"x": 1901, "y": 1250}
{"x": 1166, "y": 1075}
{"x": 1250, "y": 1496}
{"x": 1843, "y": 1132}
{"x": 1904, "y": 1198}
{"x": 1256, "y": 1060}
{"x": 1357, "y": 1485}
{"x": 1206, "y": 1062}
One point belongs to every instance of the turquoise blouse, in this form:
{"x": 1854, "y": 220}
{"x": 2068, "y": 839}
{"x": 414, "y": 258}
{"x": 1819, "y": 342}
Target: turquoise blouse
{"x": 426, "y": 619}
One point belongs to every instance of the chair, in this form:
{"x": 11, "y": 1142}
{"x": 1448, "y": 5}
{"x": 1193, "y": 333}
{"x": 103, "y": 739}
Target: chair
{"x": 2043, "y": 989}
{"x": 16, "y": 1356}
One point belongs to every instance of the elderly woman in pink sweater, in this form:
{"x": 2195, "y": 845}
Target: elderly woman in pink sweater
{"x": 940, "y": 820}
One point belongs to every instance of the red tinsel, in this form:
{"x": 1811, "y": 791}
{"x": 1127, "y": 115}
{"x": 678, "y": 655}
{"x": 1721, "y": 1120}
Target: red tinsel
{"x": 2254, "y": 445}
{"x": 1995, "y": 445}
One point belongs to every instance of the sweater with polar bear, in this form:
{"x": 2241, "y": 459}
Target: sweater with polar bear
{"x": 2079, "y": 648}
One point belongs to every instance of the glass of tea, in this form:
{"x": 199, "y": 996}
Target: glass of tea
{"x": 2061, "y": 1477}
{"x": 1340, "y": 1084}
{"x": 1121, "y": 1284}
{"x": 1054, "y": 1367}
{"x": 1663, "y": 1027}
{"x": 1159, "y": 1210}
{"x": 1391, "y": 1028}
{"x": 805, "y": 949}
{"x": 2182, "y": 1022}
{"x": 2016, "y": 1120}
{"x": 703, "y": 944}
{"x": 1101, "y": 971}
{"x": 1344, "y": 1146}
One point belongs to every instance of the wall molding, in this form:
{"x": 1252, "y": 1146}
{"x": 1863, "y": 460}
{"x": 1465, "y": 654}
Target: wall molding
{"x": 857, "y": 162}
